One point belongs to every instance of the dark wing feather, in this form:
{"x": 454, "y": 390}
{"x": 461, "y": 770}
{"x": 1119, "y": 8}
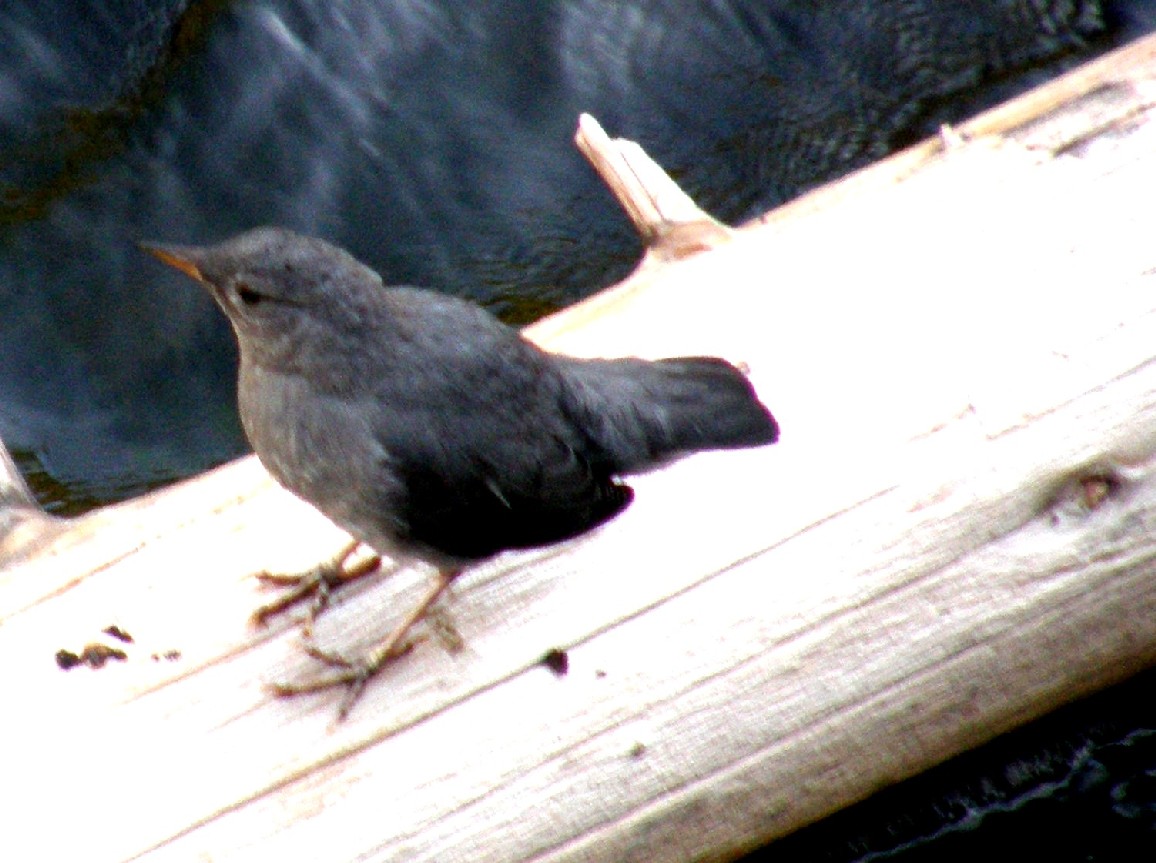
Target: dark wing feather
{"x": 526, "y": 495}
{"x": 486, "y": 458}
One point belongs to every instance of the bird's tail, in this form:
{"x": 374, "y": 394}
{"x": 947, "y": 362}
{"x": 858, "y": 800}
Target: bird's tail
{"x": 639, "y": 413}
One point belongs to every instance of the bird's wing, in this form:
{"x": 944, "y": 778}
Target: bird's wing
{"x": 487, "y": 460}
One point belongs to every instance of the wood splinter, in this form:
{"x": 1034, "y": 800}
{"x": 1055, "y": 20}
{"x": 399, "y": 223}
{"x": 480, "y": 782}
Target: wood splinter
{"x": 670, "y": 223}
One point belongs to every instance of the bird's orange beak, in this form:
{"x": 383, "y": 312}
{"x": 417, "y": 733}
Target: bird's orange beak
{"x": 172, "y": 256}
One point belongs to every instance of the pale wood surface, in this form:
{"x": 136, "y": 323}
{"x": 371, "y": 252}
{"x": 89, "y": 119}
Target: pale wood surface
{"x": 953, "y": 536}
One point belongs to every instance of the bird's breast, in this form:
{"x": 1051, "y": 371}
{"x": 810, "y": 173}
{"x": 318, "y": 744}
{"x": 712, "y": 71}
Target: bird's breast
{"x": 319, "y": 445}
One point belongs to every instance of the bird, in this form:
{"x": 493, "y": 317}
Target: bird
{"x": 428, "y": 429}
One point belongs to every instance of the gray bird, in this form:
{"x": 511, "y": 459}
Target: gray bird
{"x": 427, "y": 428}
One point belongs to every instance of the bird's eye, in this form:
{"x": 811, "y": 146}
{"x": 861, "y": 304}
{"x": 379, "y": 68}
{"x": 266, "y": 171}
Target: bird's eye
{"x": 247, "y": 295}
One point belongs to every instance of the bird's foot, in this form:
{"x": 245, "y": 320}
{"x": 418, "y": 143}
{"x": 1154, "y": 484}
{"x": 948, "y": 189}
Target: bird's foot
{"x": 354, "y": 674}
{"x": 317, "y": 584}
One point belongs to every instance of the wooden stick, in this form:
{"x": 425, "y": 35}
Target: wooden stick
{"x": 668, "y": 220}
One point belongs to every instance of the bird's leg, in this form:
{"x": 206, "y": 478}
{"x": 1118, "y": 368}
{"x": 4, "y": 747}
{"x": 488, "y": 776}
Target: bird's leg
{"x": 354, "y": 674}
{"x": 318, "y": 583}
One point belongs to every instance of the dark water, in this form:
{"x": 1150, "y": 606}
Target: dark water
{"x": 434, "y": 140}
{"x": 1078, "y": 785}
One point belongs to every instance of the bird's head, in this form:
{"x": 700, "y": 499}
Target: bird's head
{"x": 282, "y": 292}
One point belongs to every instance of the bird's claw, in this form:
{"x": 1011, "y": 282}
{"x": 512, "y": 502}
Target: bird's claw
{"x": 352, "y": 674}
{"x": 320, "y": 582}
{"x": 316, "y": 583}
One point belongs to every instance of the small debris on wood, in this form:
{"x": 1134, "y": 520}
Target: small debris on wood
{"x": 117, "y": 633}
{"x": 1084, "y": 494}
{"x": 558, "y": 661}
{"x": 1096, "y": 490}
{"x": 951, "y": 138}
{"x": 96, "y": 654}
{"x": 93, "y": 655}
{"x": 66, "y": 659}
{"x": 444, "y": 630}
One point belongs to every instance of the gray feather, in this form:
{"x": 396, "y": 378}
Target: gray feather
{"x": 640, "y": 413}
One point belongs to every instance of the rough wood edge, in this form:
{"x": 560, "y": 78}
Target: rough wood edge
{"x": 14, "y": 491}
{"x": 670, "y": 223}
{"x": 24, "y": 525}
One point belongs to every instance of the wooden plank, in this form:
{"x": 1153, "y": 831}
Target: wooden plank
{"x": 953, "y": 536}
